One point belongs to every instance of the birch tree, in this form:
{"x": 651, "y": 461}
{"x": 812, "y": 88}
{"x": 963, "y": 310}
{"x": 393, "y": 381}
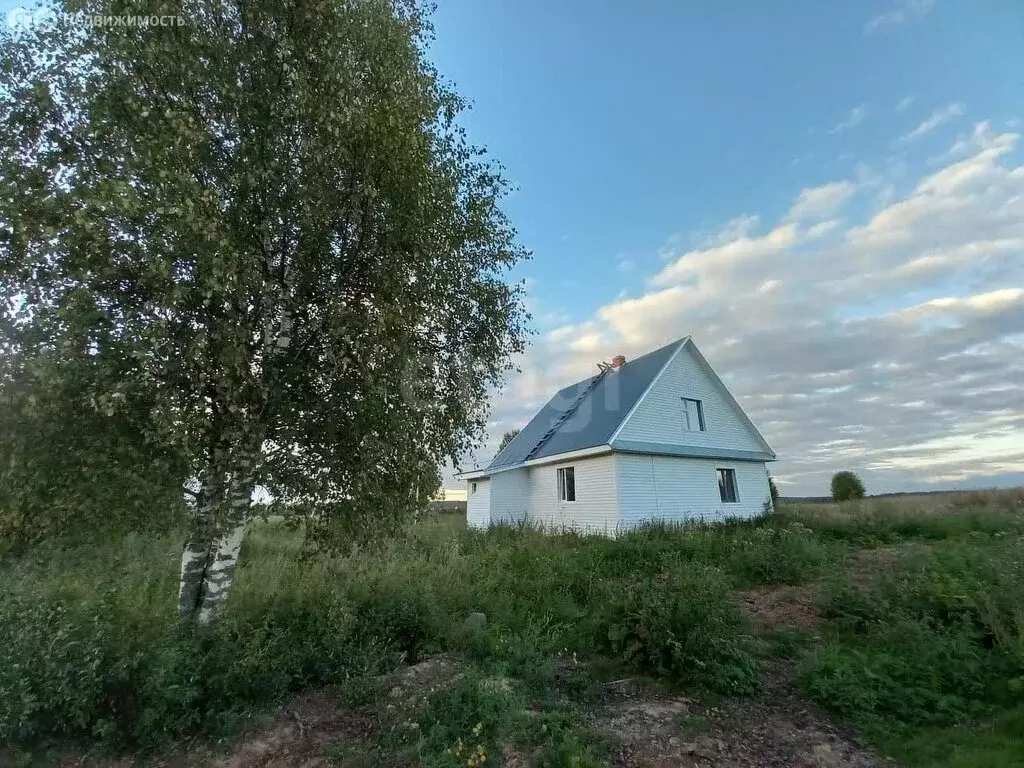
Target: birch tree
{"x": 266, "y": 213}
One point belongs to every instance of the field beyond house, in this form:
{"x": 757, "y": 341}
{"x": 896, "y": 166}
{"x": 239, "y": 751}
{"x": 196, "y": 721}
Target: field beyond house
{"x": 855, "y": 634}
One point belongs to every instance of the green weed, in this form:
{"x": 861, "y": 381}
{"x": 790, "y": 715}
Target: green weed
{"x": 938, "y": 642}
{"x": 90, "y": 646}
{"x": 921, "y": 648}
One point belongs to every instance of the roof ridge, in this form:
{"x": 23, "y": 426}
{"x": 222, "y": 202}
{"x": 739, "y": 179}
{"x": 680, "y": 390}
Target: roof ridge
{"x": 638, "y": 358}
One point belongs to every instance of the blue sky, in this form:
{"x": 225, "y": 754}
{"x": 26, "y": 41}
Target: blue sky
{"x": 626, "y": 124}
{"x": 827, "y": 196}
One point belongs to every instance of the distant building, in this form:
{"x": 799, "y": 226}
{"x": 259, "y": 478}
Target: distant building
{"x": 656, "y": 438}
{"x": 450, "y": 494}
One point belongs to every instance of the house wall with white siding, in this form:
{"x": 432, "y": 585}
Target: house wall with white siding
{"x": 659, "y": 415}
{"x": 596, "y": 507}
{"x": 510, "y": 493}
{"x": 478, "y": 503}
{"x": 678, "y": 489}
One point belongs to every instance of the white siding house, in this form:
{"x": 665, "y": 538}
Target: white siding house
{"x": 656, "y": 438}
{"x": 595, "y": 508}
{"x": 478, "y": 503}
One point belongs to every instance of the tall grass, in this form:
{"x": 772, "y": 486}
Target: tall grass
{"x": 871, "y": 522}
{"x": 90, "y": 646}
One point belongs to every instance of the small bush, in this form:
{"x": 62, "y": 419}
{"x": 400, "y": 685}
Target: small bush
{"x": 484, "y": 714}
{"x": 55, "y": 668}
{"x": 683, "y": 625}
{"x": 470, "y": 715}
{"x": 787, "y": 554}
{"x": 847, "y": 486}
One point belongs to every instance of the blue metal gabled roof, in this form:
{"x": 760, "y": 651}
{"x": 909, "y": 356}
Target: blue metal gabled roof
{"x": 597, "y": 416}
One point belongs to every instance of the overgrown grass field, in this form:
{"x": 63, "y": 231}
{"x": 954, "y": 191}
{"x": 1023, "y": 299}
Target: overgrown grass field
{"x": 921, "y": 645}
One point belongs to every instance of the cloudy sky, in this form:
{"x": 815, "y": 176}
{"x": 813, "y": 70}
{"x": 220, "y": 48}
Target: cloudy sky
{"x": 829, "y": 197}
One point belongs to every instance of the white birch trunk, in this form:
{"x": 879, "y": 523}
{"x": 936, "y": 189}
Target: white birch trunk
{"x": 196, "y": 552}
{"x": 193, "y": 569}
{"x": 210, "y": 556}
{"x": 208, "y": 563}
{"x": 220, "y": 573}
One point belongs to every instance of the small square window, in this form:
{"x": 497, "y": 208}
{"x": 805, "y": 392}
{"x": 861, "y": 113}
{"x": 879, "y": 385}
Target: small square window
{"x": 567, "y": 484}
{"x": 727, "y": 485}
{"x": 693, "y": 415}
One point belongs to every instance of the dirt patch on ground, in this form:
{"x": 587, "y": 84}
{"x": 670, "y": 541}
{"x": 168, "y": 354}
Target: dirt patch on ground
{"x": 867, "y": 566}
{"x": 300, "y": 733}
{"x": 773, "y": 608}
{"x": 410, "y": 686}
{"x": 298, "y": 736}
{"x": 776, "y": 728}
{"x": 311, "y": 725}
{"x": 313, "y": 729}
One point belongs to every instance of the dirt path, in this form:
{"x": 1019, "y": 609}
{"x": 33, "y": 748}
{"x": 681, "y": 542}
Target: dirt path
{"x": 775, "y": 727}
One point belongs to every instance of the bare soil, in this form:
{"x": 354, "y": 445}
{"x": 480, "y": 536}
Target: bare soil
{"x": 313, "y": 722}
{"x": 777, "y": 727}
{"x": 774, "y": 728}
{"x": 774, "y": 608}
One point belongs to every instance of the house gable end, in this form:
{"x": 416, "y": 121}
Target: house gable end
{"x": 660, "y": 416}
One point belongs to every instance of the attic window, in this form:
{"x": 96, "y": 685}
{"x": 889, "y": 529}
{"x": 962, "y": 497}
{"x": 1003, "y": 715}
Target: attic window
{"x": 474, "y": 488}
{"x": 693, "y": 415}
{"x": 567, "y": 484}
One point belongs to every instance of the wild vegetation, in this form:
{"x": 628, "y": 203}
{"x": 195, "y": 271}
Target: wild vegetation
{"x": 918, "y": 639}
{"x": 847, "y": 486}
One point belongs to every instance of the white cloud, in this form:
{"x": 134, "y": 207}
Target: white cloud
{"x": 625, "y": 265}
{"x": 822, "y": 228}
{"x": 857, "y": 116}
{"x": 936, "y": 119}
{"x": 815, "y": 203}
{"x": 981, "y": 303}
{"x": 981, "y": 137}
{"x": 710, "y": 262}
{"x": 902, "y": 12}
{"x": 853, "y": 346}
{"x": 964, "y": 199}
{"x": 904, "y": 103}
